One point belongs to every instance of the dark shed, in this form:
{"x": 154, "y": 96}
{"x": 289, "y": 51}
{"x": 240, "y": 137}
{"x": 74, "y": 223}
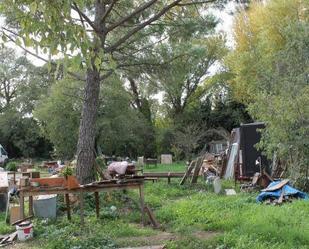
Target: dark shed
{"x": 249, "y": 137}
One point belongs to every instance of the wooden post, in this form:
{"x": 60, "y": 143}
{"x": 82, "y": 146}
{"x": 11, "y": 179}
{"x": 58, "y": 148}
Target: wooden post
{"x": 21, "y": 206}
{"x": 97, "y": 204}
{"x": 169, "y": 178}
{"x": 67, "y": 201}
{"x": 141, "y": 195}
{"x": 30, "y": 205}
{"x": 81, "y": 200}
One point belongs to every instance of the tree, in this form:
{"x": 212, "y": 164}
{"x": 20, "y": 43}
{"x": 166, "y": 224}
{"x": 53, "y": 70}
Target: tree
{"x": 180, "y": 79}
{"x": 120, "y": 129}
{"x": 188, "y": 139}
{"x": 270, "y": 67}
{"x": 13, "y": 75}
{"x": 101, "y": 31}
{"x": 21, "y": 84}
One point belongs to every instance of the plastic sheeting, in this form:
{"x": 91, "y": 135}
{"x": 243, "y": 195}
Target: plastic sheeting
{"x": 229, "y": 172}
{"x": 287, "y": 191}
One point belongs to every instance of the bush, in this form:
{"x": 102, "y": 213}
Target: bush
{"x": 11, "y": 166}
{"x": 100, "y": 162}
{"x": 302, "y": 183}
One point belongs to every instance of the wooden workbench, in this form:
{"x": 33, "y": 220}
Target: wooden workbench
{"x": 95, "y": 188}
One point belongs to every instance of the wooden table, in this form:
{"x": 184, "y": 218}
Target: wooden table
{"x": 106, "y": 187}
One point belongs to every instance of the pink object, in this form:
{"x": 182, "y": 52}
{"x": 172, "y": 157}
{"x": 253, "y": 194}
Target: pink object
{"x": 118, "y": 167}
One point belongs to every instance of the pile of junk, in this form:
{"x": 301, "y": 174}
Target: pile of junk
{"x": 244, "y": 163}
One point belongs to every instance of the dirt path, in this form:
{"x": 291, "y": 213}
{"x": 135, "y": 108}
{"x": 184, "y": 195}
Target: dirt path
{"x": 162, "y": 237}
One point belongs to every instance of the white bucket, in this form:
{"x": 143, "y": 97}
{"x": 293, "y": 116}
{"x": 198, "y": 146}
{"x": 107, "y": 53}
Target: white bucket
{"x": 24, "y": 231}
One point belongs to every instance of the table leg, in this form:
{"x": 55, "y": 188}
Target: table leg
{"x": 141, "y": 195}
{"x": 30, "y": 205}
{"x": 67, "y": 201}
{"x": 21, "y": 206}
{"x": 81, "y": 200}
{"x": 97, "y": 204}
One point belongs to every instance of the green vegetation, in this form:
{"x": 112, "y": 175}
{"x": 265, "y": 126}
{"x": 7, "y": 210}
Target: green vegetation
{"x": 270, "y": 75}
{"x": 11, "y": 166}
{"x": 184, "y": 211}
{"x": 98, "y": 93}
{"x": 174, "y": 167}
{"x": 4, "y": 227}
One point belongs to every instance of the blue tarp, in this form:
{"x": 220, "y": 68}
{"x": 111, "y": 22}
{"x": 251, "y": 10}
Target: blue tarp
{"x": 288, "y": 191}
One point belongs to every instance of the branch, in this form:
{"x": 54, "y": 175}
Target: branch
{"x": 86, "y": 18}
{"x": 135, "y": 12}
{"x": 141, "y": 26}
{"x": 197, "y": 2}
{"x": 75, "y": 75}
{"x": 109, "y": 9}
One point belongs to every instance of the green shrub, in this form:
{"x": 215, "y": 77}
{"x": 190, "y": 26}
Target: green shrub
{"x": 67, "y": 171}
{"x": 302, "y": 183}
{"x": 11, "y": 166}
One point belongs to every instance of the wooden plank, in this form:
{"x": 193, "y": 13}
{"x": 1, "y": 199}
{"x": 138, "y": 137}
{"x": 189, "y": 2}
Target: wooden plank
{"x": 30, "y": 205}
{"x": 152, "y": 218}
{"x": 12, "y": 237}
{"x": 164, "y": 174}
{"x": 97, "y": 203}
{"x": 21, "y": 206}
{"x": 197, "y": 168}
{"x": 188, "y": 172}
{"x": 97, "y": 188}
{"x": 22, "y": 220}
{"x": 277, "y": 186}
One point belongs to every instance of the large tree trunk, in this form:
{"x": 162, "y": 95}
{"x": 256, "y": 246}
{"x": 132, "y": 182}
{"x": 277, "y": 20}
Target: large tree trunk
{"x": 86, "y": 138}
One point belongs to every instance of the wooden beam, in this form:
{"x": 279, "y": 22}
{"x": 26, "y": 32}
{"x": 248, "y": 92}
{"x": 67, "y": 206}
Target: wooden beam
{"x": 197, "y": 168}
{"x": 188, "y": 172}
{"x": 30, "y": 205}
{"x": 21, "y": 206}
{"x": 152, "y": 218}
{"x": 67, "y": 201}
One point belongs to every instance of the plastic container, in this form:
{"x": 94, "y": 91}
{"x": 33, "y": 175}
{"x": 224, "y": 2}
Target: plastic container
{"x": 24, "y": 231}
{"x": 45, "y": 206}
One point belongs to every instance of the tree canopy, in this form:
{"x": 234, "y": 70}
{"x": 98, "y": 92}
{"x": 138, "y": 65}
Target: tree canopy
{"x": 270, "y": 74}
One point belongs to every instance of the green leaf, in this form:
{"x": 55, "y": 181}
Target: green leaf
{"x": 33, "y": 7}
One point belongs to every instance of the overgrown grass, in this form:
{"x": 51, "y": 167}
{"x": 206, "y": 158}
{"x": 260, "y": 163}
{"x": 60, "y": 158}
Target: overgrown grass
{"x": 182, "y": 210}
{"x": 174, "y": 167}
{"x": 4, "y": 227}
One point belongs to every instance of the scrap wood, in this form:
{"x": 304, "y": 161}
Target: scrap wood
{"x": 277, "y": 186}
{"x": 3, "y": 241}
{"x": 188, "y": 172}
{"x": 22, "y": 220}
{"x": 197, "y": 169}
{"x": 8, "y": 239}
{"x": 152, "y": 218}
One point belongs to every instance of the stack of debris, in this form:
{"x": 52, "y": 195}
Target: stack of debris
{"x": 278, "y": 192}
{"x": 7, "y": 239}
